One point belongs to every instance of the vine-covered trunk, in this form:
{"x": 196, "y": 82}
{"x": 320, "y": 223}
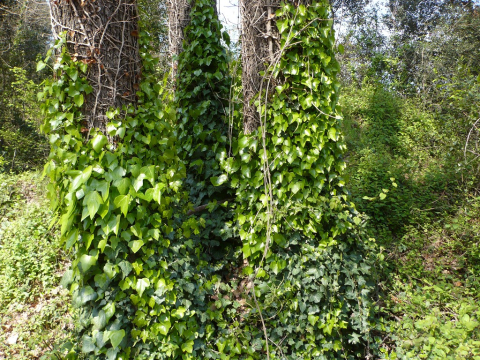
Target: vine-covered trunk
{"x": 104, "y": 35}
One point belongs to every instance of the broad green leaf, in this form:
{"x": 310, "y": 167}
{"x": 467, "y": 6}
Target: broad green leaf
{"x": 122, "y": 185}
{"x": 85, "y": 295}
{"x": 113, "y": 225}
{"x": 40, "y": 65}
{"x": 109, "y": 310}
{"x": 78, "y": 99}
{"x": 165, "y": 324}
{"x": 93, "y": 200}
{"x": 217, "y": 181}
{"x": 149, "y": 173}
{"x": 136, "y": 245}
{"x": 282, "y": 25}
{"x": 71, "y": 238}
{"x": 86, "y": 262}
{"x": 187, "y": 346}
{"x": 332, "y": 133}
{"x": 312, "y": 319}
{"x": 116, "y": 337}
{"x": 122, "y": 202}
{"x": 82, "y": 178}
{"x": 98, "y": 142}
{"x": 141, "y": 285}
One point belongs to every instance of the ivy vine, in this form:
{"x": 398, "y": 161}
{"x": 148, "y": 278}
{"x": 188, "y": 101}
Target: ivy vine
{"x": 301, "y": 235}
{"x": 119, "y": 201}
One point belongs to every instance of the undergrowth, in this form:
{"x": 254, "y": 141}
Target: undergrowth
{"x": 36, "y": 319}
{"x": 407, "y": 174}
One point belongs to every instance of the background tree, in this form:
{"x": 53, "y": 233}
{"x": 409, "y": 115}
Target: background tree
{"x": 24, "y": 35}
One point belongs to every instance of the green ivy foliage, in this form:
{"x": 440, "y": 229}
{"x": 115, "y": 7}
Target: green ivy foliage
{"x": 118, "y": 198}
{"x": 301, "y": 236}
{"x": 203, "y": 87}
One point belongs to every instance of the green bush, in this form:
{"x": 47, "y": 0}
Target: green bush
{"x": 397, "y": 166}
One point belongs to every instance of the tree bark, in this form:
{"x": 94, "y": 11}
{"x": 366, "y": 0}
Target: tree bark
{"x": 259, "y": 45}
{"x": 104, "y": 35}
{"x": 178, "y": 19}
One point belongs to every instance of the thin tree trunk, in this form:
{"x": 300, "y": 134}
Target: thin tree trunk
{"x": 178, "y": 19}
{"x": 259, "y": 45}
{"x": 104, "y": 35}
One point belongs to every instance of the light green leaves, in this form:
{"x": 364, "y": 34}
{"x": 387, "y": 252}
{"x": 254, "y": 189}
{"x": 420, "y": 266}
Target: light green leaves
{"x": 122, "y": 185}
{"x": 41, "y": 65}
{"x": 136, "y": 245}
{"x": 82, "y": 178}
{"x": 282, "y": 25}
{"x": 86, "y": 262}
{"x": 141, "y": 285}
{"x": 217, "y": 181}
{"x": 78, "y": 99}
{"x": 164, "y": 324}
{"x": 92, "y": 200}
{"x": 123, "y": 202}
{"x": 99, "y": 141}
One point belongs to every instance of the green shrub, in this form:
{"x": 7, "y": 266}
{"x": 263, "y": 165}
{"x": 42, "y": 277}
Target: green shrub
{"x": 395, "y": 149}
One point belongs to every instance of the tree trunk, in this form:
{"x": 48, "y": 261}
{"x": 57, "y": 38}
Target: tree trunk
{"x": 178, "y": 19}
{"x": 259, "y": 46}
{"x": 104, "y": 35}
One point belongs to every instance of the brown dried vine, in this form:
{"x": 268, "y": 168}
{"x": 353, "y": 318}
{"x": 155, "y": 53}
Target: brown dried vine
{"x": 104, "y": 35}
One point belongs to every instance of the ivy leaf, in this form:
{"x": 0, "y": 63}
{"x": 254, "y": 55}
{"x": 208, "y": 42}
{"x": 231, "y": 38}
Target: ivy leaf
{"x": 149, "y": 173}
{"x": 87, "y": 344}
{"x": 165, "y": 324}
{"x": 157, "y": 192}
{"x": 86, "y": 262}
{"x": 99, "y": 141}
{"x": 113, "y": 225}
{"x": 85, "y": 295}
{"x": 282, "y": 25}
{"x": 115, "y": 337}
{"x": 78, "y": 99}
{"x": 122, "y": 185}
{"x": 217, "y": 181}
{"x": 93, "y": 200}
{"x": 332, "y": 133}
{"x": 40, "y": 65}
{"x": 141, "y": 285}
{"x": 122, "y": 202}
{"x": 187, "y": 346}
{"x": 71, "y": 238}
{"x": 136, "y": 245}
{"x": 82, "y": 178}
{"x": 312, "y": 319}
